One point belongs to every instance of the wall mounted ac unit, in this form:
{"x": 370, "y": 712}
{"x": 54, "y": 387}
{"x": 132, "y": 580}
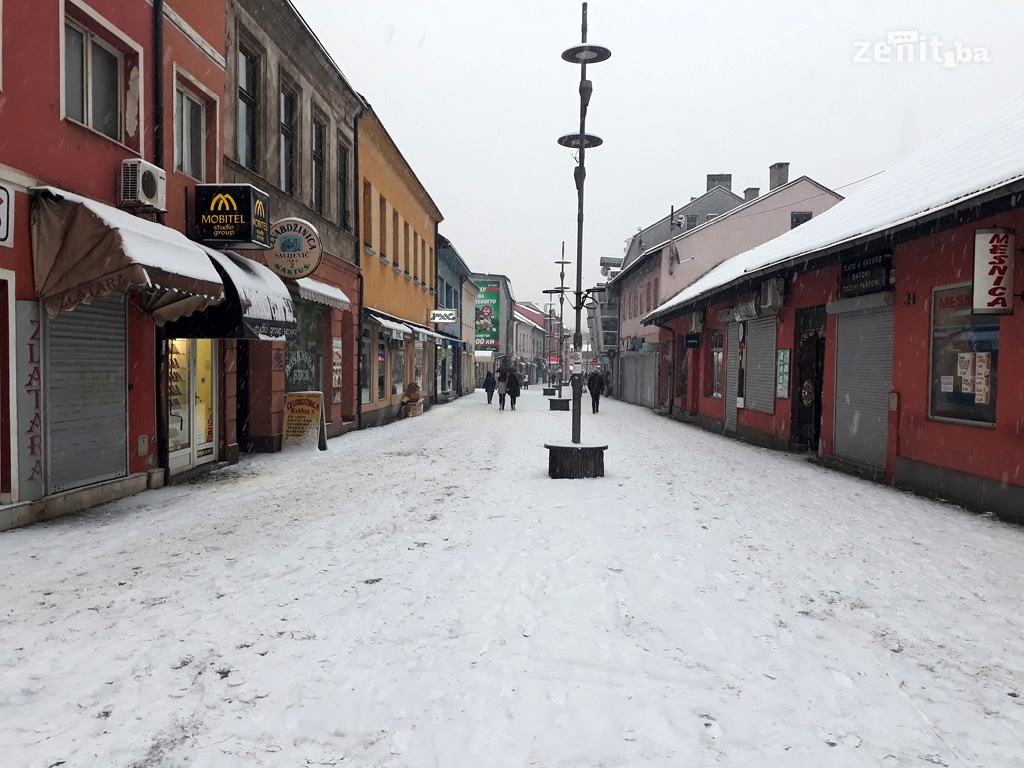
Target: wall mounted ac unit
{"x": 696, "y": 322}
{"x": 142, "y": 185}
{"x": 745, "y": 310}
{"x": 772, "y": 294}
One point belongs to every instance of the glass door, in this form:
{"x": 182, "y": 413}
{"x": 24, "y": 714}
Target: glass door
{"x": 205, "y": 402}
{"x": 179, "y": 404}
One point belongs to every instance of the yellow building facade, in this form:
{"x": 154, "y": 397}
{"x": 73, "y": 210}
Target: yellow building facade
{"x": 398, "y": 229}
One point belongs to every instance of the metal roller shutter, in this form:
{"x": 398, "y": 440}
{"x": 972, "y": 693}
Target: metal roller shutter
{"x": 759, "y": 378}
{"x": 732, "y": 370}
{"x": 863, "y": 381}
{"x": 86, "y": 395}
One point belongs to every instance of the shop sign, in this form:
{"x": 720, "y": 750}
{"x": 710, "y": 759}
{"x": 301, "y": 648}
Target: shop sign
{"x": 304, "y": 422}
{"x": 869, "y": 274}
{"x": 444, "y": 316}
{"x": 235, "y": 215}
{"x": 295, "y": 248}
{"x": 692, "y": 340}
{"x": 6, "y": 217}
{"x": 993, "y": 271}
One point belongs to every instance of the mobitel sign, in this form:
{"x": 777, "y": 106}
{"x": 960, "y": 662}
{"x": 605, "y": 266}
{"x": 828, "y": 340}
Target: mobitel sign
{"x": 235, "y": 215}
{"x": 295, "y": 248}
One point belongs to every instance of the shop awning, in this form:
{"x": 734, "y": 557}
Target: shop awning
{"x": 322, "y": 293}
{"x": 393, "y": 328}
{"x": 257, "y": 304}
{"x": 83, "y": 249}
{"x": 483, "y": 357}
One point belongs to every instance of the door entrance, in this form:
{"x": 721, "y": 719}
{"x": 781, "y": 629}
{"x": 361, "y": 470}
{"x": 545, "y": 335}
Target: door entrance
{"x": 810, "y": 372}
{"x": 191, "y": 403}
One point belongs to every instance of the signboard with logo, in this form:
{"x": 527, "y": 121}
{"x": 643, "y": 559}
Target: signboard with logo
{"x": 488, "y": 315}
{"x": 444, "y": 316}
{"x": 6, "y": 217}
{"x": 692, "y": 341}
{"x": 235, "y": 215}
{"x": 295, "y": 248}
{"x": 869, "y": 274}
{"x": 993, "y": 271}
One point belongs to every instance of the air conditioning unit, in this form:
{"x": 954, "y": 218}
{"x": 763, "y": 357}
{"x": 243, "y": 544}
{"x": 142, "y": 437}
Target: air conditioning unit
{"x": 772, "y": 294}
{"x": 696, "y": 322}
{"x": 142, "y": 185}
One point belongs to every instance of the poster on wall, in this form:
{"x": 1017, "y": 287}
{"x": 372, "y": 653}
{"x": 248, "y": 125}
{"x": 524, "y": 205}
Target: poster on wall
{"x": 488, "y": 315}
{"x": 337, "y": 366}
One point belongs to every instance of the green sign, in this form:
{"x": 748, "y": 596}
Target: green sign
{"x": 488, "y": 315}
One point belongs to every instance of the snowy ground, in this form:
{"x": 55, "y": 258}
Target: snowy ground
{"x": 423, "y": 595}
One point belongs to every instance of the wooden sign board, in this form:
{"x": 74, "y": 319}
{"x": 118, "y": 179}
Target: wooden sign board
{"x": 305, "y": 425}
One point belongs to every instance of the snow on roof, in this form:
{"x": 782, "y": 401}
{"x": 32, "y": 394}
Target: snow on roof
{"x": 981, "y": 155}
{"x": 520, "y": 317}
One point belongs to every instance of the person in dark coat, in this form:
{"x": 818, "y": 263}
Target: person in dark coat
{"x": 595, "y": 383}
{"x": 489, "y": 385}
{"x": 512, "y": 387}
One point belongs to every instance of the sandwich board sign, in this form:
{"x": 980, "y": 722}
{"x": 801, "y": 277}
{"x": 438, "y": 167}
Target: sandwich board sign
{"x": 305, "y": 425}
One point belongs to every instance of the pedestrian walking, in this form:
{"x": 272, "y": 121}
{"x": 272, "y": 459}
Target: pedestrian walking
{"x": 512, "y": 387}
{"x": 595, "y": 383}
{"x": 502, "y": 389}
{"x": 489, "y": 385}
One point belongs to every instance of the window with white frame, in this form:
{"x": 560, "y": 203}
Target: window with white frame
{"x": 93, "y": 77}
{"x": 189, "y": 134}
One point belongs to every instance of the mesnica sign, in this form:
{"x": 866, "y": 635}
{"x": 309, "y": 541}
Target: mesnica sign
{"x": 295, "y": 248}
{"x": 235, "y": 215}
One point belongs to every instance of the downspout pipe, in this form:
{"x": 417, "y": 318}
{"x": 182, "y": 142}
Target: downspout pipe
{"x": 160, "y": 336}
{"x": 357, "y": 199}
{"x": 672, "y": 368}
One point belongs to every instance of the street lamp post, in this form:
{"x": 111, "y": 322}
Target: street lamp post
{"x": 581, "y": 54}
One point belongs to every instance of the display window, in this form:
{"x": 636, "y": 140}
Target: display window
{"x": 965, "y": 358}
{"x": 304, "y": 353}
{"x": 397, "y": 366}
{"x": 365, "y": 366}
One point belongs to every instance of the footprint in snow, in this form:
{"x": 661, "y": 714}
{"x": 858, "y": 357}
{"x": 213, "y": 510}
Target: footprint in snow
{"x": 710, "y": 633}
{"x": 842, "y": 679}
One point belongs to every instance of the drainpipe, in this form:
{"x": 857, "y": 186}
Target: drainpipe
{"x": 357, "y": 199}
{"x": 672, "y": 369}
{"x": 160, "y": 336}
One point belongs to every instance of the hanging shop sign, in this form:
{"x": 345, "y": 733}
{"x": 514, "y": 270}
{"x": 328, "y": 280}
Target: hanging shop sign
{"x": 869, "y": 274}
{"x": 444, "y": 316}
{"x": 304, "y": 422}
{"x": 993, "y": 271}
{"x": 232, "y": 215}
{"x": 692, "y": 341}
{"x": 295, "y": 248}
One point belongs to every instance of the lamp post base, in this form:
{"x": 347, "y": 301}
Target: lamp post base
{"x": 572, "y": 462}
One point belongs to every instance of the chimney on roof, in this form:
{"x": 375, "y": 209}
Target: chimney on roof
{"x": 751, "y": 193}
{"x": 719, "y": 180}
{"x": 778, "y": 175}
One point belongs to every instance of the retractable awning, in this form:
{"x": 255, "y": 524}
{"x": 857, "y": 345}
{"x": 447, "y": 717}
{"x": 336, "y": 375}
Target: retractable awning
{"x": 393, "y": 329}
{"x": 83, "y": 249}
{"x": 322, "y": 293}
{"x": 257, "y": 304}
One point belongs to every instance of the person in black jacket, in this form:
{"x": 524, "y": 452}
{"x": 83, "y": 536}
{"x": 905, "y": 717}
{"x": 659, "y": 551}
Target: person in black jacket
{"x": 595, "y": 383}
{"x": 512, "y": 387}
{"x": 489, "y": 385}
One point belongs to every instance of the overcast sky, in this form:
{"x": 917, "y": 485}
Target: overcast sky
{"x": 475, "y": 93}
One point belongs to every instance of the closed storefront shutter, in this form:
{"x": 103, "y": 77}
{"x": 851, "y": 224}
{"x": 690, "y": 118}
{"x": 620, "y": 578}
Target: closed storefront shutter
{"x": 732, "y": 371}
{"x": 863, "y": 381}
{"x": 86, "y": 395}
{"x": 759, "y": 378}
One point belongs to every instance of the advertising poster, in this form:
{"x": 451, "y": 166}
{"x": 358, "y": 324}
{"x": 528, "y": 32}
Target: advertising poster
{"x": 488, "y": 315}
{"x": 947, "y": 383}
{"x": 965, "y": 364}
{"x": 304, "y": 423}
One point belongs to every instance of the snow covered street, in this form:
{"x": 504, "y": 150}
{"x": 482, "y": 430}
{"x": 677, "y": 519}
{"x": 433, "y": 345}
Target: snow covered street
{"x": 423, "y": 595}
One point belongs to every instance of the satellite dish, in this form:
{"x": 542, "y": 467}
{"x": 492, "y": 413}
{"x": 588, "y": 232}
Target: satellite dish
{"x": 605, "y": 271}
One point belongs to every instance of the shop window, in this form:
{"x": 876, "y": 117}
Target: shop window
{"x": 365, "y": 367}
{"x": 716, "y": 359}
{"x": 965, "y": 358}
{"x": 288, "y": 131}
{"x": 248, "y": 84}
{"x": 418, "y": 364}
{"x": 93, "y": 81}
{"x": 319, "y": 149}
{"x": 304, "y": 352}
{"x": 382, "y": 351}
{"x": 189, "y": 134}
{"x": 397, "y": 366}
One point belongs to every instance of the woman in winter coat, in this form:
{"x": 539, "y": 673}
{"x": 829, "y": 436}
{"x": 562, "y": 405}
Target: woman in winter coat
{"x": 489, "y": 385}
{"x": 502, "y": 389}
{"x": 512, "y": 387}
